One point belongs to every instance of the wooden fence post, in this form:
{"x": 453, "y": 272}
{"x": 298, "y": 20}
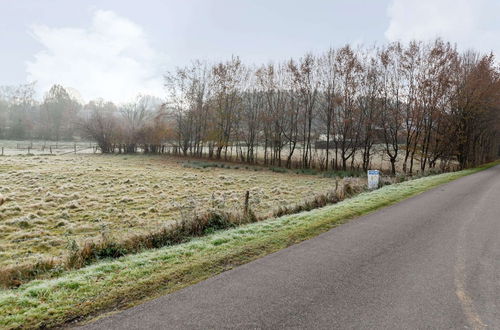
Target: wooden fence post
{"x": 247, "y": 198}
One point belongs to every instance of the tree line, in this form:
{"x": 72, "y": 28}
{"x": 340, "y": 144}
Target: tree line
{"x": 23, "y": 117}
{"x": 422, "y": 104}
{"x": 63, "y": 116}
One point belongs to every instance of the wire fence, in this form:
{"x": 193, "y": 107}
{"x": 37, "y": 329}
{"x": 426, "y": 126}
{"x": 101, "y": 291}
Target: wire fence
{"x": 9, "y": 148}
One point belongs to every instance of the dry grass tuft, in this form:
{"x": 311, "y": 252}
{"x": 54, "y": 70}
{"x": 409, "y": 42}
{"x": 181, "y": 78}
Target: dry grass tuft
{"x": 346, "y": 190}
{"x": 15, "y": 275}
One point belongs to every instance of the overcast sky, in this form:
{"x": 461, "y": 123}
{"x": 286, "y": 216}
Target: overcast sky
{"x": 117, "y": 48}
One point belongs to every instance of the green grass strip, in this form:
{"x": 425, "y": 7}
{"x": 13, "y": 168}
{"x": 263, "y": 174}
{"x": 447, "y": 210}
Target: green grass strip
{"x": 115, "y": 284}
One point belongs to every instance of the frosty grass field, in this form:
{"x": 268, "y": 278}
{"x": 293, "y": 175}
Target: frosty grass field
{"x": 54, "y": 200}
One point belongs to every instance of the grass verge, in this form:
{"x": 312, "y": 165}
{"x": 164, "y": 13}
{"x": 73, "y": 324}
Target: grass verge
{"x": 126, "y": 281}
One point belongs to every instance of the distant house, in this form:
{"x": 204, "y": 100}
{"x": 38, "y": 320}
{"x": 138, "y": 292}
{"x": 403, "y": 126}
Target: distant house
{"x": 320, "y": 142}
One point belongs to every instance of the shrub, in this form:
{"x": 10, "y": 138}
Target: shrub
{"x": 344, "y": 174}
{"x": 308, "y": 171}
{"x": 278, "y": 170}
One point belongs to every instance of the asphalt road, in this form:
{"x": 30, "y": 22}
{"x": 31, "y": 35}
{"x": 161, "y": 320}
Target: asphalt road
{"x": 429, "y": 262}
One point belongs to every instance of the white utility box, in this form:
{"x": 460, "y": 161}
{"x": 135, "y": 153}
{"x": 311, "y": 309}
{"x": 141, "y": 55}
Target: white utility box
{"x": 373, "y": 179}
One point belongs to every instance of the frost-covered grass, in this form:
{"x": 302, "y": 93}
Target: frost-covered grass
{"x": 128, "y": 280}
{"x": 53, "y": 200}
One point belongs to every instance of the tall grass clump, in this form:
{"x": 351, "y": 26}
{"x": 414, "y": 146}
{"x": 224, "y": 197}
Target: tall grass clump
{"x": 344, "y": 174}
{"x": 199, "y": 164}
{"x": 15, "y": 275}
{"x": 341, "y": 192}
{"x": 175, "y": 233}
{"x": 278, "y": 169}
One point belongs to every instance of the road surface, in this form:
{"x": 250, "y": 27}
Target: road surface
{"x": 429, "y": 262}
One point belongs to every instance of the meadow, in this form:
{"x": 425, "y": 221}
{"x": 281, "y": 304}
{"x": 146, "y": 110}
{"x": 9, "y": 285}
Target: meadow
{"x": 53, "y": 201}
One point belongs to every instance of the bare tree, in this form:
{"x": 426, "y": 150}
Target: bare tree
{"x": 101, "y": 125}
{"x": 349, "y": 68}
{"x": 306, "y": 88}
{"x": 391, "y": 113}
{"x": 226, "y": 80}
{"x": 59, "y": 112}
{"x": 330, "y": 100}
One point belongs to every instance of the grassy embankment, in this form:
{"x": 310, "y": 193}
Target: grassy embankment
{"x": 126, "y": 281}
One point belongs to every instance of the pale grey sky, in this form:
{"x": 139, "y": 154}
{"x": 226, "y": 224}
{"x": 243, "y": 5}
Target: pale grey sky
{"x": 117, "y": 48}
